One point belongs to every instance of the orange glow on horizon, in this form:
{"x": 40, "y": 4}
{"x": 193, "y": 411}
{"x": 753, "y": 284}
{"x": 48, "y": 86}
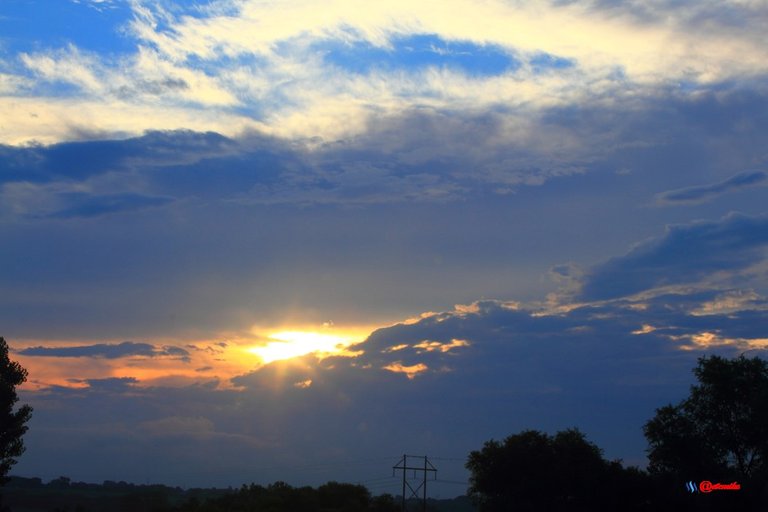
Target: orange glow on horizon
{"x": 216, "y": 360}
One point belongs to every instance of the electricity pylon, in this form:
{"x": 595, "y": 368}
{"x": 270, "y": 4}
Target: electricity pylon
{"x": 425, "y": 469}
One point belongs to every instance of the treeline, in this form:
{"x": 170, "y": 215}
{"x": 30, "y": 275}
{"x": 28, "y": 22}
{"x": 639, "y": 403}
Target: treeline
{"x": 63, "y": 495}
{"x": 279, "y": 496}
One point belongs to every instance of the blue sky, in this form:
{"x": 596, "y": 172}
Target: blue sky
{"x": 237, "y": 230}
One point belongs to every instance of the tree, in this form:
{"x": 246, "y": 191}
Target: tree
{"x": 720, "y": 432}
{"x": 534, "y": 471}
{"x": 343, "y": 497}
{"x": 721, "y": 427}
{"x": 12, "y": 424}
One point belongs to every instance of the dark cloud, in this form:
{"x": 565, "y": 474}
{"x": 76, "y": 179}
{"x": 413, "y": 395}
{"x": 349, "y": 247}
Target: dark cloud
{"x": 686, "y": 254}
{"x": 693, "y": 14}
{"x": 396, "y": 160}
{"x": 85, "y": 205}
{"x": 81, "y": 160}
{"x": 602, "y": 367}
{"x": 707, "y": 192}
{"x": 20, "y": 164}
{"x": 111, "y": 384}
{"x": 424, "y": 154}
{"x": 108, "y": 351}
{"x": 152, "y": 87}
{"x": 217, "y": 232}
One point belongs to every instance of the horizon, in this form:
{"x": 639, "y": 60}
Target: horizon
{"x": 246, "y": 238}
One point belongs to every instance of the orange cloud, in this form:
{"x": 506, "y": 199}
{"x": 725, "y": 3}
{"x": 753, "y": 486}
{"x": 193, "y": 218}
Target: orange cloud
{"x": 409, "y": 371}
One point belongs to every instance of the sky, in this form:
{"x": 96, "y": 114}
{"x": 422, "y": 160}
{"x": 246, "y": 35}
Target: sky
{"x": 253, "y": 240}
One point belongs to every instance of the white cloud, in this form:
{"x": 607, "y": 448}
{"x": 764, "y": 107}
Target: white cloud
{"x": 68, "y": 65}
{"x": 11, "y": 84}
{"x": 46, "y": 120}
{"x": 595, "y": 37}
{"x": 260, "y": 58}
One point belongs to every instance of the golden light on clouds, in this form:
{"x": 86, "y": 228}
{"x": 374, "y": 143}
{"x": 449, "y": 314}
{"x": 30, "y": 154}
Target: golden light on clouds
{"x": 409, "y": 371}
{"x": 304, "y": 384}
{"x": 430, "y": 346}
{"x": 647, "y": 328}
{"x": 707, "y": 340}
{"x": 289, "y": 344}
{"x": 395, "y": 348}
{"x": 177, "y": 362}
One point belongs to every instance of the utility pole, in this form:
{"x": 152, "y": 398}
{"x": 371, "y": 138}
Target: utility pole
{"x": 425, "y": 469}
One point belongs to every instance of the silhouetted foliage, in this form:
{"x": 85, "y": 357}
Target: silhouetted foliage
{"x": 65, "y": 495}
{"x": 69, "y": 496}
{"x": 279, "y": 496}
{"x": 12, "y": 423}
{"x": 383, "y": 503}
{"x": 532, "y": 471}
{"x": 719, "y": 433}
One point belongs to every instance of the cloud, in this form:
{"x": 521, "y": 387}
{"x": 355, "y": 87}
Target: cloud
{"x": 155, "y": 87}
{"x": 68, "y": 65}
{"x": 603, "y": 367}
{"x": 429, "y": 189}
{"x": 84, "y": 159}
{"x": 409, "y": 371}
{"x": 595, "y": 34}
{"x": 64, "y": 201}
{"x": 430, "y": 346}
{"x": 395, "y": 158}
{"x": 89, "y": 206}
{"x": 94, "y": 178}
{"x": 395, "y": 161}
{"x": 52, "y": 120}
{"x": 98, "y": 5}
{"x": 704, "y": 193}
{"x": 687, "y": 255}
{"x": 175, "y": 426}
{"x": 731, "y": 301}
{"x": 109, "y": 385}
{"x": 148, "y": 75}
{"x": 108, "y": 351}
{"x": 10, "y": 83}
{"x": 298, "y": 77}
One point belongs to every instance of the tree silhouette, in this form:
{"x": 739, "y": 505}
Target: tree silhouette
{"x": 533, "y": 471}
{"x": 720, "y": 431}
{"x": 12, "y": 424}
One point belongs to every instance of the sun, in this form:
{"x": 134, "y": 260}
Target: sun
{"x": 289, "y": 344}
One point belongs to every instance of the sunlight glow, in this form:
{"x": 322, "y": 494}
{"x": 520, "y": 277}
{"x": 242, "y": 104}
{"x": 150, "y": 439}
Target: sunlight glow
{"x": 288, "y": 344}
